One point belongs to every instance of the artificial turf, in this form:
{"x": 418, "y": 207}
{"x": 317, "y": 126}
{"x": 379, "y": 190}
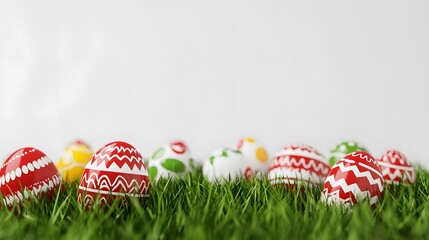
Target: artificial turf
{"x": 193, "y": 208}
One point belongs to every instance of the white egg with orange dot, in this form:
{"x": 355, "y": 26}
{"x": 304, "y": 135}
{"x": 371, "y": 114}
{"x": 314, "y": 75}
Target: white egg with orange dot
{"x": 256, "y": 155}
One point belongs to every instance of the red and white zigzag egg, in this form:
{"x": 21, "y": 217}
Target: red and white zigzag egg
{"x": 298, "y": 164}
{"x": 26, "y": 172}
{"x": 396, "y": 168}
{"x": 354, "y": 178}
{"x": 116, "y": 169}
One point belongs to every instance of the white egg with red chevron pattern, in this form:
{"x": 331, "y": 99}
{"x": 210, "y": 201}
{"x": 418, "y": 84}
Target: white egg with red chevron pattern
{"x": 298, "y": 164}
{"x": 354, "y": 178}
{"x": 171, "y": 161}
{"x": 226, "y": 165}
{"x": 396, "y": 168}
{"x": 116, "y": 170}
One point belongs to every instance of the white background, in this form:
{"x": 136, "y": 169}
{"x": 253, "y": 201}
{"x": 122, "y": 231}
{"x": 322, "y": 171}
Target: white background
{"x": 210, "y": 72}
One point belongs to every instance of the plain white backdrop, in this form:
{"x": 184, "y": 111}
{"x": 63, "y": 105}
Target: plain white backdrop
{"x": 210, "y": 72}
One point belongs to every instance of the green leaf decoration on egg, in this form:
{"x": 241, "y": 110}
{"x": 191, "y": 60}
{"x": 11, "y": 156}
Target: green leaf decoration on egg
{"x": 237, "y": 151}
{"x": 224, "y": 153}
{"x": 158, "y": 153}
{"x": 211, "y": 159}
{"x": 343, "y": 149}
{"x": 173, "y": 165}
{"x": 153, "y": 171}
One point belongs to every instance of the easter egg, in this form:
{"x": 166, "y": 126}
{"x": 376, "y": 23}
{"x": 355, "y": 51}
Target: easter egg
{"x": 396, "y": 168}
{"x": 226, "y": 165}
{"x": 28, "y": 172}
{"x": 171, "y": 161}
{"x": 73, "y": 161}
{"x": 255, "y": 154}
{"x": 344, "y": 148}
{"x": 298, "y": 165}
{"x": 116, "y": 170}
{"x": 354, "y": 178}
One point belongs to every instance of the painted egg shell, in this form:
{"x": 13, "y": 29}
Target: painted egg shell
{"x": 28, "y": 172}
{"x": 354, "y": 178}
{"x": 116, "y": 169}
{"x": 344, "y": 148}
{"x": 396, "y": 168}
{"x": 255, "y": 154}
{"x": 171, "y": 161}
{"x": 226, "y": 164}
{"x": 73, "y": 161}
{"x": 298, "y": 164}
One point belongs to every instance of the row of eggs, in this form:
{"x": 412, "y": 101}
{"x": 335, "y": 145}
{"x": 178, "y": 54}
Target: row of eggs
{"x": 118, "y": 169}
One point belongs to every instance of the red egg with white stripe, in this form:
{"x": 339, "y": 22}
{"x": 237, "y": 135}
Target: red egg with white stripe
{"x": 396, "y": 168}
{"x": 298, "y": 164}
{"x": 28, "y": 172}
{"x": 354, "y": 178}
{"x": 115, "y": 170}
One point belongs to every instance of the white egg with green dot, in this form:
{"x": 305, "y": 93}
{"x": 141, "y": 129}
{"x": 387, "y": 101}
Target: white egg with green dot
{"x": 166, "y": 163}
{"x": 226, "y": 165}
{"x": 344, "y": 148}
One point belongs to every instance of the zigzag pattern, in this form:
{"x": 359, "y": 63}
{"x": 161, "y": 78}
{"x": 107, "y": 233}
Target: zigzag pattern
{"x": 377, "y": 181}
{"x": 348, "y": 184}
{"x": 120, "y": 183}
{"x": 336, "y": 197}
{"x": 395, "y": 157}
{"x": 348, "y": 188}
{"x": 120, "y": 149}
{"x": 120, "y": 160}
{"x": 47, "y": 184}
{"x": 398, "y": 176}
{"x": 316, "y": 166}
{"x": 89, "y": 199}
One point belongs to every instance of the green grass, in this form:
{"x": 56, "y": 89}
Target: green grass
{"x": 195, "y": 209}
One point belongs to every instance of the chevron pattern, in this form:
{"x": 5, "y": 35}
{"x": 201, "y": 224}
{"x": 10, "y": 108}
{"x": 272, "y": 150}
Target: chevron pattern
{"x": 120, "y": 154}
{"x": 396, "y": 168}
{"x": 117, "y": 169}
{"x": 299, "y": 162}
{"x": 105, "y": 181}
{"x": 354, "y": 178}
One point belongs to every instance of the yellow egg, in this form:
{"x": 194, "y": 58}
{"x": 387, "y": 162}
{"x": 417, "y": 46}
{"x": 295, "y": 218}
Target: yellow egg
{"x": 73, "y": 161}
